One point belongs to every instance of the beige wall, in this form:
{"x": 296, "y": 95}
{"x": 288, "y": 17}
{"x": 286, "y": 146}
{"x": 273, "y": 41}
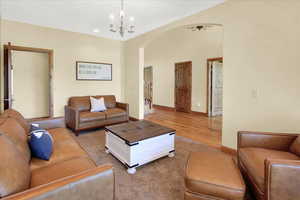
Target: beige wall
{"x": 261, "y": 50}
{"x": 179, "y": 45}
{"x": 68, "y": 48}
{"x": 134, "y": 62}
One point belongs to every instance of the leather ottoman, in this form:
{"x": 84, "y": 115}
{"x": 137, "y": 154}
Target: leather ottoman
{"x": 213, "y": 176}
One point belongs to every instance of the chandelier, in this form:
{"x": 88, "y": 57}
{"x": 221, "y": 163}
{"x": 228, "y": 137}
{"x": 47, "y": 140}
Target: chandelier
{"x": 122, "y": 24}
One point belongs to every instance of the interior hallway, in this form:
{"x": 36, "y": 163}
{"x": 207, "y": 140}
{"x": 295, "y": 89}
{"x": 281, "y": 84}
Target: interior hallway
{"x": 196, "y": 127}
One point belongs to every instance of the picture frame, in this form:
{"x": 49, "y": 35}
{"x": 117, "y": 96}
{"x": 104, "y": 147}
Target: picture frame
{"x": 93, "y": 71}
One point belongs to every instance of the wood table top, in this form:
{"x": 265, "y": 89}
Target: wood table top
{"x": 133, "y": 132}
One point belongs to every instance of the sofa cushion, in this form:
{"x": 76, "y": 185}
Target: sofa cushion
{"x": 115, "y": 112}
{"x": 12, "y": 128}
{"x": 60, "y": 170}
{"x": 17, "y": 116}
{"x": 80, "y": 103}
{"x": 253, "y": 161}
{"x": 295, "y": 147}
{"x": 214, "y": 174}
{"x": 83, "y": 103}
{"x": 64, "y": 148}
{"x": 14, "y": 169}
{"x": 60, "y": 134}
{"x": 87, "y": 116}
{"x": 109, "y": 100}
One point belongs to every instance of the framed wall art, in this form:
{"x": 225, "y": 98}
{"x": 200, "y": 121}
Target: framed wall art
{"x": 93, "y": 71}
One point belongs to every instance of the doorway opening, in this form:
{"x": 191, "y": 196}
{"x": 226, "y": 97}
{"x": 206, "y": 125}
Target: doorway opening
{"x": 215, "y": 87}
{"x": 28, "y": 85}
{"x": 148, "y": 89}
{"x": 179, "y": 59}
{"x": 183, "y": 87}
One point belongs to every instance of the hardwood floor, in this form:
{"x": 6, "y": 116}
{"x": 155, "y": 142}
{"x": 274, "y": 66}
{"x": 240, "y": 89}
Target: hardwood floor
{"x": 196, "y": 127}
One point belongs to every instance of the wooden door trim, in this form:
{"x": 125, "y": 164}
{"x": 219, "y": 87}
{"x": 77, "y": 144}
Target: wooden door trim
{"x": 190, "y": 87}
{"x": 215, "y": 59}
{"x": 151, "y": 86}
{"x": 7, "y": 57}
{"x": 7, "y": 78}
{"x": 207, "y": 79}
{"x": 189, "y": 62}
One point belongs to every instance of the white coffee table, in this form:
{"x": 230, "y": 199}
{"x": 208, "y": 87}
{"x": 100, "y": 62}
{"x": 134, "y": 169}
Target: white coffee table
{"x": 138, "y": 143}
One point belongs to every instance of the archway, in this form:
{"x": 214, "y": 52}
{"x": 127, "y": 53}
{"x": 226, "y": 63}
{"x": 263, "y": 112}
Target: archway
{"x": 179, "y": 45}
{"x": 147, "y": 43}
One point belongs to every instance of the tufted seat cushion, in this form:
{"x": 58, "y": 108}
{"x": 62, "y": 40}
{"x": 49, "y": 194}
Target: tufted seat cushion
{"x": 213, "y": 175}
{"x": 115, "y": 112}
{"x": 60, "y": 170}
{"x": 87, "y": 116}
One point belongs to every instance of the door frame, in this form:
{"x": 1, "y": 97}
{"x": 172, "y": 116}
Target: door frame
{"x": 209, "y": 83}
{"x": 8, "y": 48}
{"x": 190, "y": 86}
{"x": 151, "y": 86}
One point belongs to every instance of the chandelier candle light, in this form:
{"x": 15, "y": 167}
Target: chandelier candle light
{"x": 121, "y": 25}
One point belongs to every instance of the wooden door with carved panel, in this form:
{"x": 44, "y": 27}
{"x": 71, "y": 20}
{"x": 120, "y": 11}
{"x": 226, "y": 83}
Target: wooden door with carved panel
{"x": 183, "y": 86}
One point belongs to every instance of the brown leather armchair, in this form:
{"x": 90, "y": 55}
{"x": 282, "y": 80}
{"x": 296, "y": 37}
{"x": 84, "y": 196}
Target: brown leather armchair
{"x": 270, "y": 163}
{"x": 78, "y": 116}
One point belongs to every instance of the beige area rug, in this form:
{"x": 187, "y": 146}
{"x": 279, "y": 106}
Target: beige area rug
{"x": 159, "y": 180}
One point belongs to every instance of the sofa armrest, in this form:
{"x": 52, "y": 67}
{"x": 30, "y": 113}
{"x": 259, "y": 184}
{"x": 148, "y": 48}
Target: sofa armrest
{"x": 71, "y": 117}
{"x": 276, "y": 141}
{"x": 49, "y": 123}
{"x": 282, "y": 179}
{"x": 124, "y": 106}
{"x": 97, "y": 183}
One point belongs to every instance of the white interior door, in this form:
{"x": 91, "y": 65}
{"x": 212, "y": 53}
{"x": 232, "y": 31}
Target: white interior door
{"x": 30, "y": 84}
{"x": 217, "y": 89}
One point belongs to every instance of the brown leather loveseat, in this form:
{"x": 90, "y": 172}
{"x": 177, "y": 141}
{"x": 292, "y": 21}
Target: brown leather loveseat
{"x": 271, "y": 164}
{"x": 78, "y": 116}
{"x": 69, "y": 174}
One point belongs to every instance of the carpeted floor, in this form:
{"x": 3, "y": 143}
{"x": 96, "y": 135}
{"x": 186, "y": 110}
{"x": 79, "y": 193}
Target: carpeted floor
{"x": 159, "y": 180}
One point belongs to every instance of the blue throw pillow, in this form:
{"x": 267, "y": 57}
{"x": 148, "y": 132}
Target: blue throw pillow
{"x": 41, "y": 144}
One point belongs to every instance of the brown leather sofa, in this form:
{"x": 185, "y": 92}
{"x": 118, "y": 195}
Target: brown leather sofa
{"x": 270, "y": 162}
{"x": 69, "y": 174}
{"x": 78, "y": 116}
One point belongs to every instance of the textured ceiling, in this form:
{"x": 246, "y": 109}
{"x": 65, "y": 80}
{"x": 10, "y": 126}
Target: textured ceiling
{"x": 84, "y": 16}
